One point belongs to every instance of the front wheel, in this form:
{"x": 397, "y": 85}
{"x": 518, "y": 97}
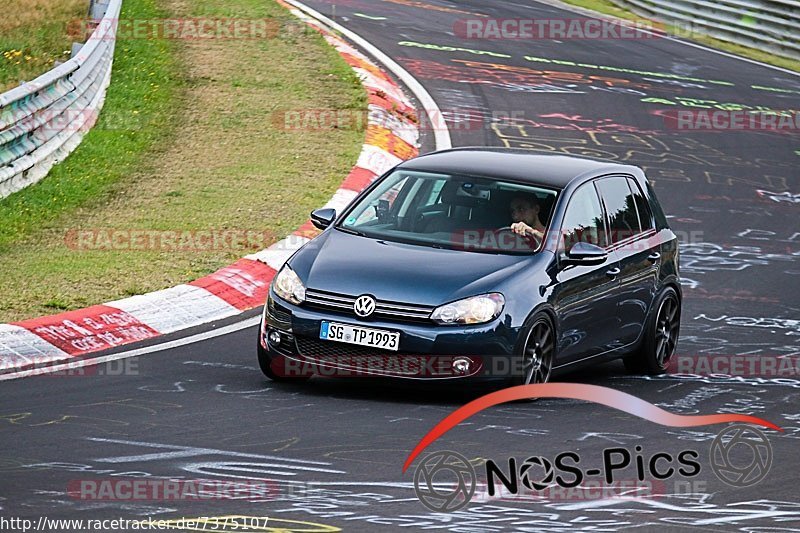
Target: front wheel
{"x": 538, "y": 351}
{"x": 660, "y": 336}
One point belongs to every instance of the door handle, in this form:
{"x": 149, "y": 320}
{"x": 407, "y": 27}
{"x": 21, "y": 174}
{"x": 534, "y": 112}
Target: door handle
{"x": 655, "y": 256}
{"x": 613, "y": 273}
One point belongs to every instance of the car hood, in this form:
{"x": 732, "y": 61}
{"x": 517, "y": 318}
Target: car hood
{"x": 350, "y": 264}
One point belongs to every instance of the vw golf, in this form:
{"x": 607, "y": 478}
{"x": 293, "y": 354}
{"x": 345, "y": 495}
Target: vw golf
{"x": 480, "y": 263}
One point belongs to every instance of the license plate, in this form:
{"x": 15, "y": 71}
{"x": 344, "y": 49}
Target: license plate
{"x": 374, "y": 338}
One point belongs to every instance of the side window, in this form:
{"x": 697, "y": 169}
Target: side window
{"x": 620, "y": 206}
{"x": 583, "y": 220}
{"x": 645, "y": 217}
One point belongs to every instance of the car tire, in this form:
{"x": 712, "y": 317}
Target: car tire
{"x": 660, "y": 336}
{"x": 538, "y": 350}
{"x": 268, "y": 365}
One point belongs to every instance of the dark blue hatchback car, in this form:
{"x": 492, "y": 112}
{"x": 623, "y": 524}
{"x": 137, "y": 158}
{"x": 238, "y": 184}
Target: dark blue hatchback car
{"x": 480, "y": 263}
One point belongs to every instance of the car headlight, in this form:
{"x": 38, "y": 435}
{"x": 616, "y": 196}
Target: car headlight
{"x": 472, "y": 310}
{"x": 289, "y": 287}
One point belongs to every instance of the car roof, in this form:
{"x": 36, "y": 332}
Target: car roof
{"x": 516, "y": 165}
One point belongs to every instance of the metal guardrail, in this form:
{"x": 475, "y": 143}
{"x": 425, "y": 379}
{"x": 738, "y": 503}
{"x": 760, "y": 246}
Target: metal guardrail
{"x": 43, "y": 120}
{"x": 771, "y": 25}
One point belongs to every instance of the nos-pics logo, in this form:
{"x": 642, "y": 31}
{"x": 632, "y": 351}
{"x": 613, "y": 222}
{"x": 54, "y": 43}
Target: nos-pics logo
{"x": 445, "y": 481}
{"x": 454, "y": 476}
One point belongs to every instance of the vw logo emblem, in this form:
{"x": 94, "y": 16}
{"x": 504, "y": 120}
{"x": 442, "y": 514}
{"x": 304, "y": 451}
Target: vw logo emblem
{"x": 364, "y": 305}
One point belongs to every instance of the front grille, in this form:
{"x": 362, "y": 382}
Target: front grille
{"x": 362, "y": 359}
{"x": 392, "y": 310}
{"x": 309, "y": 347}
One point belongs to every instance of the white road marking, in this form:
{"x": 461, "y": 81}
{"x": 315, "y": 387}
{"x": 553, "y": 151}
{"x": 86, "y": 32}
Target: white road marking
{"x": 441, "y": 135}
{"x": 185, "y": 451}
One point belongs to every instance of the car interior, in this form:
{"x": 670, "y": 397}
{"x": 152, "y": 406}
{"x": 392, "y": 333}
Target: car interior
{"x": 466, "y": 213}
{"x": 464, "y": 205}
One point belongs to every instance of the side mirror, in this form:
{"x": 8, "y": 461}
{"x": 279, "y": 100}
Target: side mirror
{"x": 584, "y": 253}
{"x": 322, "y": 218}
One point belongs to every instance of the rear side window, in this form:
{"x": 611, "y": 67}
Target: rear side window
{"x": 620, "y": 205}
{"x": 642, "y": 209}
{"x": 583, "y": 220}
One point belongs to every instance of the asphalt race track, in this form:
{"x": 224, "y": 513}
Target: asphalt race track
{"x": 333, "y": 449}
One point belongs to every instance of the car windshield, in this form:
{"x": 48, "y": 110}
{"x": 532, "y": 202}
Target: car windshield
{"x": 450, "y": 211}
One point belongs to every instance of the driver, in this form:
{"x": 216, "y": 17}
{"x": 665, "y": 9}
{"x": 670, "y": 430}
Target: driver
{"x": 525, "y": 214}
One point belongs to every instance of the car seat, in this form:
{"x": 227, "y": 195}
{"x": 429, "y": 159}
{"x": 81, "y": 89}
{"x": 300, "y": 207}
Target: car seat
{"x": 461, "y": 210}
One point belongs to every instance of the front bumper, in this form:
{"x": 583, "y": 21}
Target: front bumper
{"x": 426, "y": 350}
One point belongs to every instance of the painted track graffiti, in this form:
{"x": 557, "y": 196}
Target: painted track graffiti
{"x": 335, "y": 447}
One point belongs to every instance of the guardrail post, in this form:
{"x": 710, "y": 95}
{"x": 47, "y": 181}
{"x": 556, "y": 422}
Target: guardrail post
{"x": 97, "y": 8}
{"x": 76, "y": 47}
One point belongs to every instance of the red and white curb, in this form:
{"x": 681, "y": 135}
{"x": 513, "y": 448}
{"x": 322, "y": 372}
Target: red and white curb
{"x": 391, "y": 136}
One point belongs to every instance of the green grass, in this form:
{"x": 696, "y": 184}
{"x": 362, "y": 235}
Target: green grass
{"x": 138, "y": 115}
{"x": 185, "y": 142}
{"x": 34, "y": 34}
{"x": 609, "y": 8}
{"x": 138, "y": 112}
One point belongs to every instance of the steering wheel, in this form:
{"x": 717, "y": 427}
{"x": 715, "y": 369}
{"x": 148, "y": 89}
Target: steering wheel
{"x": 533, "y": 238}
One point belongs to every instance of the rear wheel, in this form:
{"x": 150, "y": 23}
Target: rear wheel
{"x": 660, "y": 338}
{"x": 538, "y": 351}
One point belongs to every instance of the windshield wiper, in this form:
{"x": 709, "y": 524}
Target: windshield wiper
{"x": 351, "y": 231}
